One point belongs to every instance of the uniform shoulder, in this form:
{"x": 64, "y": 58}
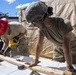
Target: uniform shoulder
{"x": 61, "y": 19}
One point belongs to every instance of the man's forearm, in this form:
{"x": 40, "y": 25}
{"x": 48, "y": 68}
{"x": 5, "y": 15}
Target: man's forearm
{"x": 38, "y": 51}
{"x": 67, "y": 52}
{"x": 21, "y": 35}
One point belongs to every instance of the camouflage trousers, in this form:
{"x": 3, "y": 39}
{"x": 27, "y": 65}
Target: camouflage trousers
{"x": 58, "y": 54}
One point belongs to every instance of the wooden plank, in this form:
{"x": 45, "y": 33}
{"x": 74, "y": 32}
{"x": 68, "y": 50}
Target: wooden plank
{"x": 46, "y": 70}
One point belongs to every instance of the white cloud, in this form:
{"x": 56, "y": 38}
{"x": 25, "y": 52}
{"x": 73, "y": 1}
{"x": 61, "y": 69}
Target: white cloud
{"x": 10, "y": 1}
{"x": 19, "y": 6}
{"x": 22, "y": 6}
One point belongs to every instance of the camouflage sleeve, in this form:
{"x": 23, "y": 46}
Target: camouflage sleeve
{"x": 65, "y": 26}
{"x": 21, "y": 29}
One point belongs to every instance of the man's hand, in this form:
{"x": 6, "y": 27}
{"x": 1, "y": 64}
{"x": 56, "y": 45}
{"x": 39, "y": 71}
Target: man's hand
{"x": 33, "y": 63}
{"x": 6, "y": 52}
{"x": 16, "y": 39}
{"x": 70, "y": 71}
{"x": 1, "y": 52}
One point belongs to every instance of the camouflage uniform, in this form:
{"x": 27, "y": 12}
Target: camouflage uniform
{"x": 55, "y": 33}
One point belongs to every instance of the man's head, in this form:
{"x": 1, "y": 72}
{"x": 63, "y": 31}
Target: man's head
{"x": 36, "y": 11}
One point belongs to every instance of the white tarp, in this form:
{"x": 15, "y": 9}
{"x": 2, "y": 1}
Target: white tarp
{"x": 63, "y": 8}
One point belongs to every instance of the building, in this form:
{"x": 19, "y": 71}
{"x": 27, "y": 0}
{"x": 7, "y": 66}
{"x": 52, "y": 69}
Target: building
{"x": 13, "y": 19}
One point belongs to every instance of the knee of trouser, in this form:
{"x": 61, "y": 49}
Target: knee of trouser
{"x": 58, "y": 56}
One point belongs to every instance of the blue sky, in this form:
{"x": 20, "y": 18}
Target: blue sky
{"x": 9, "y": 6}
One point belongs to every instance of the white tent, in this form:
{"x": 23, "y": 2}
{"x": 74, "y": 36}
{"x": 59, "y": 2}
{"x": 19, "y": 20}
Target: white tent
{"x": 63, "y": 8}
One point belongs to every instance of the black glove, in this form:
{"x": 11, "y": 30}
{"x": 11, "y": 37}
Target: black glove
{"x": 15, "y": 39}
{"x": 1, "y": 52}
{"x": 1, "y": 44}
{"x": 6, "y": 52}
